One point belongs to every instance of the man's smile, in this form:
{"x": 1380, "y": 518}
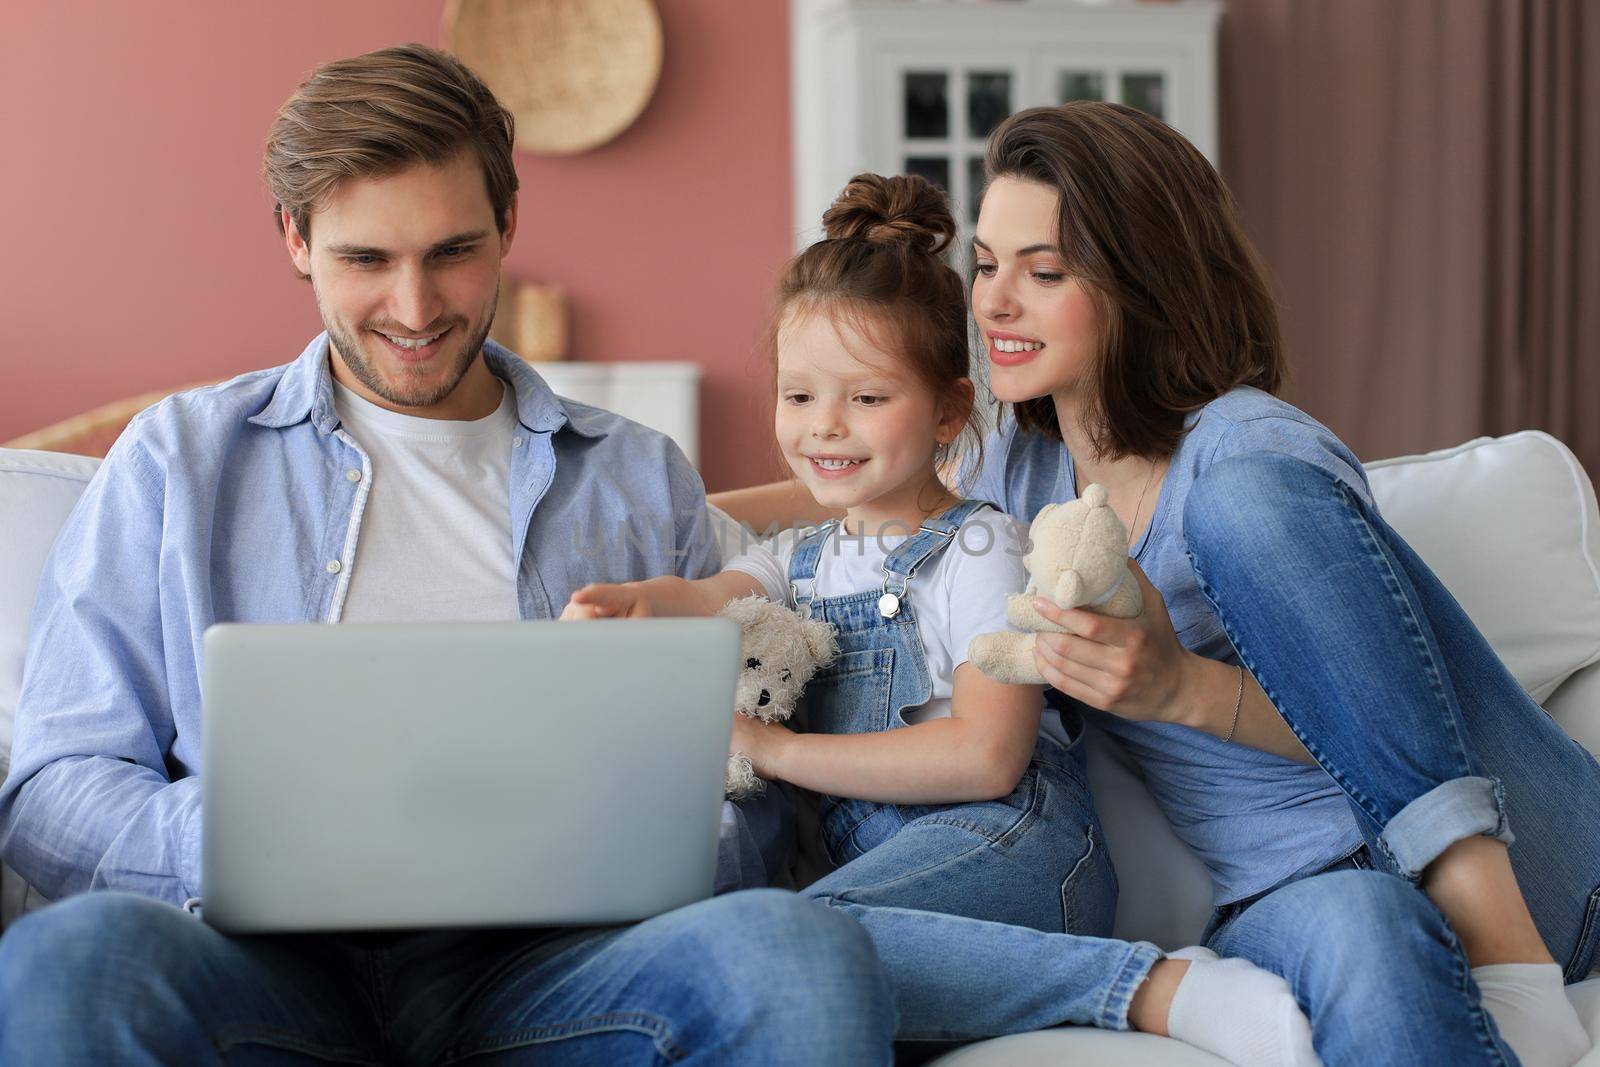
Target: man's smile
{"x": 412, "y": 349}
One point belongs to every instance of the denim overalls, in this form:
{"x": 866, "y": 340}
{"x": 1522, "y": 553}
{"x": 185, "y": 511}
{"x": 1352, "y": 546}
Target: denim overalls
{"x": 1033, "y": 858}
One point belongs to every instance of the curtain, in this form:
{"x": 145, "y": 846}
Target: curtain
{"x": 1423, "y": 179}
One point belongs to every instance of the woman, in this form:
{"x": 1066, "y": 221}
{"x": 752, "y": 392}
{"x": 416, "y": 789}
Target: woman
{"x": 1318, "y": 718}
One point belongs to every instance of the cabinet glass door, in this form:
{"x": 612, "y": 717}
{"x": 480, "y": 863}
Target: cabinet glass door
{"x": 1080, "y": 85}
{"x": 1143, "y": 89}
{"x": 1147, "y": 91}
{"x": 947, "y": 116}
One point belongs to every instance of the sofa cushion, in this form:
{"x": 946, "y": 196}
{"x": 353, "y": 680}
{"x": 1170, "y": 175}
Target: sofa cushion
{"x": 37, "y": 491}
{"x": 1509, "y": 525}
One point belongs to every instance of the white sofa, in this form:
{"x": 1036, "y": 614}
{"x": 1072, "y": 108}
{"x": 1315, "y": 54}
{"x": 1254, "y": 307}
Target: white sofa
{"x": 1509, "y": 524}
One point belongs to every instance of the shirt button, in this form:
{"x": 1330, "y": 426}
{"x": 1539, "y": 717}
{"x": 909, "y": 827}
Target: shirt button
{"x": 352, "y": 475}
{"x": 333, "y": 566}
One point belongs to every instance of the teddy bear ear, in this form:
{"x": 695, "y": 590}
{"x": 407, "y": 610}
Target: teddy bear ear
{"x": 820, "y": 641}
{"x": 1096, "y": 496}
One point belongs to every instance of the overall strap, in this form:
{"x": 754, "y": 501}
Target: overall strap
{"x": 803, "y": 564}
{"x": 933, "y": 538}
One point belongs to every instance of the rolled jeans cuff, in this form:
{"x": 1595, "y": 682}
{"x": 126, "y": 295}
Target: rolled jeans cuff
{"x": 1445, "y": 814}
{"x": 1135, "y": 968}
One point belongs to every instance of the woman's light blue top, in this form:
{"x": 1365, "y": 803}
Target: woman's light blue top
{"x": 1255, "y": 819}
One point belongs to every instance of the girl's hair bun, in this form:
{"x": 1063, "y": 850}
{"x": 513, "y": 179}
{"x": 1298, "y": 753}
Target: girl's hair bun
{"x": 904, "y": 209}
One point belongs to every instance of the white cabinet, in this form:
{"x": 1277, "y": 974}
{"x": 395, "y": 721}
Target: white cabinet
{"x": 663, "y": 396}
{"x": 916, "y": 86}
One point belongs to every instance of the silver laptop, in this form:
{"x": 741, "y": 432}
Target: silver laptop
{"x": 374, "y": 776}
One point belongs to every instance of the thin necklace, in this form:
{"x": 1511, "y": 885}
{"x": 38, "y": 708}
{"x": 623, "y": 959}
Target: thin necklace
{"x": 1134, "y": 526}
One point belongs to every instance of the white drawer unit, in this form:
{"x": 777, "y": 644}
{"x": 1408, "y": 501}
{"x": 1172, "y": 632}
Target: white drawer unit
{"x": 663, "y": 396}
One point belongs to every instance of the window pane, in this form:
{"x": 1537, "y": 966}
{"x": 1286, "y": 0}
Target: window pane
{"x": 1147, "y": 92}
{"x": 927, "y": 106}
{"x": 1081, "y": 85}
{"x": 934, "y": 168}
{"x": 988, "y": 100}
{"x": 974, "y": 186}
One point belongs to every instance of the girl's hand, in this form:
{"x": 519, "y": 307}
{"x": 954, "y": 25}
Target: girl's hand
{"x": 1134, "y": 668}
{"x": 758, "y": 740}
{"x": 626, "y": 601}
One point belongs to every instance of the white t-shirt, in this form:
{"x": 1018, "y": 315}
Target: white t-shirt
{"x": 435, "y": 537}
{"x": 957, "y": 595}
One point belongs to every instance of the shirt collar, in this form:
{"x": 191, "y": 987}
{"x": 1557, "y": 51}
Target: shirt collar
{"x": 306, "y": 392}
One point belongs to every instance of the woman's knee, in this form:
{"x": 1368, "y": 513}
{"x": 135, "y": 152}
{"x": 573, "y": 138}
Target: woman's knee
{"x": 1365, "y": 934}
{"x": 1243, "y": 499}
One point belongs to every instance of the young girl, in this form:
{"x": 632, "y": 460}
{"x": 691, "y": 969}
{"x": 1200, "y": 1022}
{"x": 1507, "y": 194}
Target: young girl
{"x": 954, "y": 810}
{"x": 1318, "y": 718}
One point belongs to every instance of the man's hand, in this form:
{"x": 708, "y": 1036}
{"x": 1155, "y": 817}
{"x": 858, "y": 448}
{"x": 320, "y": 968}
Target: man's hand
{"x": 1134, "y": 668}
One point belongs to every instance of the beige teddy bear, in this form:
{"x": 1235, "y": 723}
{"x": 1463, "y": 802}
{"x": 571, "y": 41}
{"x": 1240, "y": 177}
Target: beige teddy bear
{"x": 782, "y": 649}
{"x": 1077, "y": 557}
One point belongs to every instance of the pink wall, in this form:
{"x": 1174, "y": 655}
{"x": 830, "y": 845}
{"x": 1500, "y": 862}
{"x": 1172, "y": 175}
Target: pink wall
{"x": 141, "y": 253}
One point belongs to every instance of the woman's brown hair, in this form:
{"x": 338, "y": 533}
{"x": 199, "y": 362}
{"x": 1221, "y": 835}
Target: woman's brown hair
{"x": 880, "y": 265}
{"x": 1146, "y": 222}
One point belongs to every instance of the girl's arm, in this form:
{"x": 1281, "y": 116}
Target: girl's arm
{"x": 777, "y": 506}
{"x": 979, "y": 753}
{"x": 668, "y": 595}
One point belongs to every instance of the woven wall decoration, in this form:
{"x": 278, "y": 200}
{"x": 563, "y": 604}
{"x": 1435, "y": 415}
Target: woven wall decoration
{"x": 575, "y": 73}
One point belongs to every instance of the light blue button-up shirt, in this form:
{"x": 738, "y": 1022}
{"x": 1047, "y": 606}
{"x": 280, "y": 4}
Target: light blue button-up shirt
{"x": 234, "y": 503}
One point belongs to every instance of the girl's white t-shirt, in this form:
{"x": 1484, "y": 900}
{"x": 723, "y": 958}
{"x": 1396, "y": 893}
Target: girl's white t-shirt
{"x": 955, "y": 596}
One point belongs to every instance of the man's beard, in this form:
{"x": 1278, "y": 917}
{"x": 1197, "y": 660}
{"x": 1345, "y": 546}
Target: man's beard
{"x": 348, "y": 348}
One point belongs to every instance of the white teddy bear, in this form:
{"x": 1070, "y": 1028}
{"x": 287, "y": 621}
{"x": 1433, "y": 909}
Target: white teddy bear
{"x": 782, "y": 649}
{"x": 1077, "y": 557}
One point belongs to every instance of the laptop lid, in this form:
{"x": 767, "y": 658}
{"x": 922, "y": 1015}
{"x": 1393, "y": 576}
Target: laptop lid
{"x": 369, "y": 776}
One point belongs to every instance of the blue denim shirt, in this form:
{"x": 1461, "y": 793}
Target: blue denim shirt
{"x": 242, "y": 502}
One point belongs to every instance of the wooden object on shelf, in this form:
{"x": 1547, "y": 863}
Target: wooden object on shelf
{"x": 531, "y": 320}
{"x": 575, "y": 73}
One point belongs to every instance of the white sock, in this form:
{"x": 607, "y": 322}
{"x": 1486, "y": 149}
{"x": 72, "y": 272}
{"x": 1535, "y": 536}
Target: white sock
{"x": 1234, "y": 1009}
{"x": 1529, "y": 1004}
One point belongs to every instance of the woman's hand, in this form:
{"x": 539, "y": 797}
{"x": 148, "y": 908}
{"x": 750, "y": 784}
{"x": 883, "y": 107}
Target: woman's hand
{"x": 1134, "y": 668}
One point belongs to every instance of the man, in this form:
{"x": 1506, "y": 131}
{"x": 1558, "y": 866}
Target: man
{"x": 400, "y": 469}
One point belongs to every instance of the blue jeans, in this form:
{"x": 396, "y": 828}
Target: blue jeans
{"x": 1395, "y": 693}
{"x": 757, "y": 977}
{"x": 983, "y": 914}
{"x": 978, "y": 911}
{"x": 755, "y": 838}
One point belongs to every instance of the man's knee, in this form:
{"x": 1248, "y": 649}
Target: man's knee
{"x": 795, "y": 933}
{"x": 746, "y": 947}
{"x": 111, "y": 951}
{"x": 90, "y": 932}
